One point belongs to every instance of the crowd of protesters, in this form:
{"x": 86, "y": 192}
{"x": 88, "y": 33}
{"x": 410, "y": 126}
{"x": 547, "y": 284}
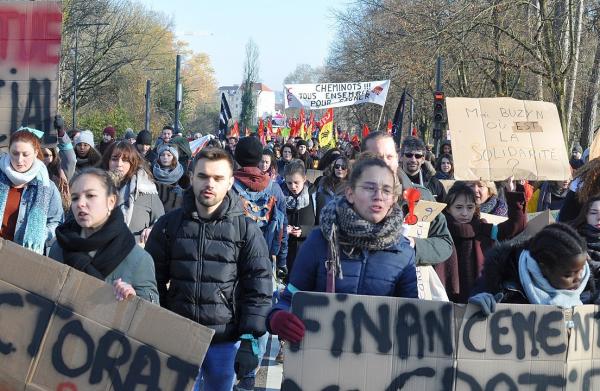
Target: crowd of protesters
{"x": 227, "y": 236}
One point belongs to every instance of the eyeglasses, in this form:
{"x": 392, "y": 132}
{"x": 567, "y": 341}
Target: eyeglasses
{"x": 415, "y": 155}
{"x": 340, "y": 167}
{"x": 386, "y": 191}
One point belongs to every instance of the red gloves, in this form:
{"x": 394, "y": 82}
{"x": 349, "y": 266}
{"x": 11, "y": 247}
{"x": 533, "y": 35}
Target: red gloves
{"x": 287, "y": 325}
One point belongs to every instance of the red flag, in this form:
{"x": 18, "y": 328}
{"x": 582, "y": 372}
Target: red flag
{"x": 389, "y": 127}
{"x": 294, "y": 128}
{"x": 269, "y": 130}
{"x": 365, "y": 131}
{"x": 235, "y": 131}
{"x": 261, "y": 131}
{"x": 415, "y": 133}
{"x": 355, "y": 139}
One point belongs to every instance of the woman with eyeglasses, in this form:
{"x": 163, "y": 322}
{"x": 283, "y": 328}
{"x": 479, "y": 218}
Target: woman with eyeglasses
{"x": 332, "y": 184}
{"x": 300, "y": 208}
{"x": 374, "y": 256}
{"x": 138, "y": 196}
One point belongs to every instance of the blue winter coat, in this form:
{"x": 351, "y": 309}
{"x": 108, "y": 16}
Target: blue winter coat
{"x": 389, "y": 272}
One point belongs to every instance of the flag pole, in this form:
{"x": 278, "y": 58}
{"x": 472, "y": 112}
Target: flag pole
{"x": 383, "y": 107}
{"x": 380, "y": 115}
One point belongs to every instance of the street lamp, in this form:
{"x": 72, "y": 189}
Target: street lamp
{"x": 77, "y": 26}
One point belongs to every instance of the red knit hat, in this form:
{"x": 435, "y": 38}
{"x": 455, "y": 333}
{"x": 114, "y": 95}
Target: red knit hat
{"x": 110, "y": 131}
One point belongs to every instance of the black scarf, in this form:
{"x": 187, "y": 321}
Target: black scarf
{"x": 354, "y": 231}
{"x": 112, "y": 243}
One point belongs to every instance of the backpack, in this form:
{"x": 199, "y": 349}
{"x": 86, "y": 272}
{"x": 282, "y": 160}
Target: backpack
{"x": 261, "y": 207}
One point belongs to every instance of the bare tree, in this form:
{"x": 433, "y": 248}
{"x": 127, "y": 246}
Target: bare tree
{"x": 248, "y": 113}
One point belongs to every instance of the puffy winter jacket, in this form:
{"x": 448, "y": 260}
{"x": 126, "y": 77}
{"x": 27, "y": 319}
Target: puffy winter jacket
{"x": 219, "y": 269}
{"x": 389, "y": 272}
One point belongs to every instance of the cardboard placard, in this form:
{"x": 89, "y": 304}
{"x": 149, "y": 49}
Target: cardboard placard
{"x": 30, "y": 56}
{"x": 61, "y": 329}
{"x": 536, "y": 224}
{"x": 427, "y": 211}
{"x": 419, "y": 230}
{"x": 495, "y": 138}
{"x": 382, "y": 343}
{"x": 447, "y": 183}
{"x": 311, "y": 175}
{"x": 493, "y": 219}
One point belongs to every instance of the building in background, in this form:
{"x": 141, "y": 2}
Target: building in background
{"x": 265, "y": 100}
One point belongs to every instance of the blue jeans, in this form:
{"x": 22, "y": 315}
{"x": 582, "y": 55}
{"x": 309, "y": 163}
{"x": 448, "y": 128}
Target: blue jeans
{"x": 217, "y": 372}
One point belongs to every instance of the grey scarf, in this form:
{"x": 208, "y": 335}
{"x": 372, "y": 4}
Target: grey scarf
{"x": 355, "y": 231}
{"x": 167, "y": 176}
{"x": 297, "y": 202}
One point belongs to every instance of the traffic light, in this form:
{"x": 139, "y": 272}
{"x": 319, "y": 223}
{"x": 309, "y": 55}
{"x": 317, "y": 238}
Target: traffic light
{"x": 439, "y": 114}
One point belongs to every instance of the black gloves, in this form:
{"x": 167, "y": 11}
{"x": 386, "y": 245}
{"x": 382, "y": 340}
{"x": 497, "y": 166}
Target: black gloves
{"x": 246, "y": 360}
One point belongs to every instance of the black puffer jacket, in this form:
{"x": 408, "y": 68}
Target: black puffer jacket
{"x": 219, "y": 269}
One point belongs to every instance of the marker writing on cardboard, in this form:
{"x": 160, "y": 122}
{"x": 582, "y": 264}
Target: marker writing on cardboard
{"x": 144, "y": 363}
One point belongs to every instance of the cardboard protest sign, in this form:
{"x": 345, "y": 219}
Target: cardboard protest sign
{"x": 29, "y": 55}
{"x": 382, "y": 343}
{"x": 426, "y": 212}
{"x": 447, "y": 183}
{"x": 495, "y": 138}
{"x": 493, "y": 219}
{"x": 536, "y": 224}
{"x": 311, "y": 175}
{"x": 61, "y": 329}
{"x": 326, "y": 95}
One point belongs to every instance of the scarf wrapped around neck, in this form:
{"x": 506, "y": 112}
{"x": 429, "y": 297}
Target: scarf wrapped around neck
{"x": 37, "y": 201}
{"x": 296, "y": 201}
{"x": 110, "y": 245}
{"x": 138, "y": 184}
{"x": 167, "y": 176}
{"x": 539, "y": 290}
{"x": 355, "y": 231}
{"x": 495, "y": 206}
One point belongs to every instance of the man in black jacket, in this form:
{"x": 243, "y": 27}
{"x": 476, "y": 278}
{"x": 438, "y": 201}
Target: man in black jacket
{"x": 217, "y": 265}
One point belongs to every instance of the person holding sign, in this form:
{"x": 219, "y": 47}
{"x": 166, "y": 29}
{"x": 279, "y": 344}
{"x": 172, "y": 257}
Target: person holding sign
{"x": 551, "y": 269}
{"x": 373, "y": 255}
{"x": 473, "y": 236}
{"x": 97, "y": 241}
{"x": 437, "y": 247}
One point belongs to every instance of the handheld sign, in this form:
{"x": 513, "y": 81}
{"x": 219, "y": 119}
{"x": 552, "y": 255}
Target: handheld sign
{"x": 495, "y": 138}
{"x": 371, "y": 343}
{"x": 59, "y": 326}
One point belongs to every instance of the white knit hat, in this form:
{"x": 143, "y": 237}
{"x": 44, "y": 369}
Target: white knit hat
{"x": 86, "y": 136}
